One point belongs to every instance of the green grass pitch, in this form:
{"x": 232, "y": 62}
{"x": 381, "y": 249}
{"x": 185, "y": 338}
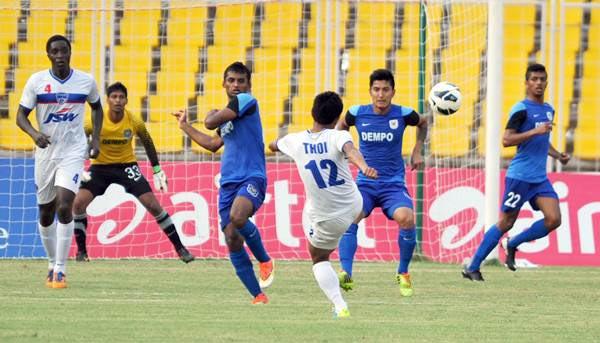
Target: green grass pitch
{"x": 167, "y": 301}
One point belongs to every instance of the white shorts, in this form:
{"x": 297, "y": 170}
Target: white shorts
{"x": 65, "y": 173}
{"x": 326, "y": 234}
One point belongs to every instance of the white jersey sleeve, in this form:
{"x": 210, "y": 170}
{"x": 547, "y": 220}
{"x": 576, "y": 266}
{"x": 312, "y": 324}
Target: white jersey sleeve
{"x": 341, "y": 138}
{"x": 93, "y": 96}
{"x": 29, "y": 97}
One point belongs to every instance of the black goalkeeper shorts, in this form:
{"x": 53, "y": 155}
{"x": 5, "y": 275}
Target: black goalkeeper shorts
{"x": 127, "y": 175}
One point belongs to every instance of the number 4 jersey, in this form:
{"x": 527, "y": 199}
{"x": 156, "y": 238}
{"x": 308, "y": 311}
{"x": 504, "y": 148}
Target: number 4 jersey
{"x": 323, "y": 167}
{"x": 60, "y": 107}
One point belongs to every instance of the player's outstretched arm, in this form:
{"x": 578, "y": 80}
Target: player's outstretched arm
{"x": 97, "y": 117}
{"x": 416, "y": 158}
{"x": 356, "y": 158}
{"x": 41, "y": 140}
{"x": 213, "y": 143}
{"x": 561, "y": 156}
{"x": 159, "y": 176}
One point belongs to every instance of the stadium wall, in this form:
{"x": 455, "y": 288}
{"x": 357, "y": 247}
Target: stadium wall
{"x": 121, "y": 228}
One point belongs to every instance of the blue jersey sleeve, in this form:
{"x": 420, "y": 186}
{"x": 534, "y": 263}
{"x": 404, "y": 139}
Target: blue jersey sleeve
{"x": 351, "y": 115}
{"x": 243, "y": 104}
{"x": 411, "y": 117}
{"x": 517, "y": 116}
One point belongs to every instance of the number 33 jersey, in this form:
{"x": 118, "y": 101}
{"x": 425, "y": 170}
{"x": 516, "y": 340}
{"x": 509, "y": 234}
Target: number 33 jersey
{"x": 60, "y": 107}
{"x": 330, "y": 189}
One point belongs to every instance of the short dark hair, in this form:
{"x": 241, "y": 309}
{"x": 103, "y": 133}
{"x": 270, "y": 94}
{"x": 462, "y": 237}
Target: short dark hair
{"x": 57, "y": 38}
{"x": 535, "y": 68}
{"x": 382, "y": 75}
{"x": 117, "y": 86}
{"x": 237, "y": 67}
{"x": 327, "y": 108}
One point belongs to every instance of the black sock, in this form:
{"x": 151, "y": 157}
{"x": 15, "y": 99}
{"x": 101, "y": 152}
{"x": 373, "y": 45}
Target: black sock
{"x": 80, "y": 231}
{"x": 166, "y": 224}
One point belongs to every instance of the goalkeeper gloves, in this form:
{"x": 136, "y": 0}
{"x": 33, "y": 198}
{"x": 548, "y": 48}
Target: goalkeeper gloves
{"x": 160, "y": 179}
{"x": 86, "y": 176}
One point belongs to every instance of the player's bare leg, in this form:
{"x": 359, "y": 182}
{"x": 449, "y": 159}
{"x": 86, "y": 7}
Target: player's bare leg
{"x": 541, "y": 228}
{"x": 64, "y": 234}
{"x": 404, "y": 217}
{"x": 47, "y": 229}
{"x": 163, "y": 219}
{"x": 328, "y": 280}
{"x": 82, "y": 201}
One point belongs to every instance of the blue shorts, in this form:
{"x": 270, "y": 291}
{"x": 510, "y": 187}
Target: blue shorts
{"x": 389, "y": 197}
{"x": 253, "y": 189}
{"x": 517, "y": 192}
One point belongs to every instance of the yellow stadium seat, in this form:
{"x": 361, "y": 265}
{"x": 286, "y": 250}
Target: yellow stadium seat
{"x": 186, "y": 27}
{"x": 161, "y": 106}
{"x": 179, "y": 58}
{"x": 13, "y": 138}
{"x": 221, "y": 56}
{"x": 167, "y": 136}
{"x": 276, "y": 32}
{"x": 139, "y": 28}
{"x": 233, "y": 25}
{"x": 132, "y": 59}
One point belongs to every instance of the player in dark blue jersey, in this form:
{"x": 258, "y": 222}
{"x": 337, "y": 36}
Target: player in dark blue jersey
{"x": 380, "y": 127}
{"x": 243, "y": 180}
{"x": 528, "y": 128}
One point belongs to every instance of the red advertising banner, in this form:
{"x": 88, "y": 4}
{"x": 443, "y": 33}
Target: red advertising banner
{"x": 120, "y": 227}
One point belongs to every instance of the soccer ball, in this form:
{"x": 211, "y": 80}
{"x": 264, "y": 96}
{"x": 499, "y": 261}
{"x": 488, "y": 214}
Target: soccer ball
{"x": 444, "y": 98}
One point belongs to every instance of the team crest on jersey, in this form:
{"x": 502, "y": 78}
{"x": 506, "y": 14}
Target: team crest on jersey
{"x": 226, "y": 128}
{"x": 549, "y": 115}
{"x": 61, "y": 98}
{"x": 127, "y": 133}
{"x": 252, "y": 190}
{"x": 394, "y": 124}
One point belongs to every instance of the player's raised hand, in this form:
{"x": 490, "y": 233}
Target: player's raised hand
{"x": 370, "y": 172}
{"x": 94, "y": 148}
{"x": 416, "y": 161}
{"x": 564, "y": 158}
{"x": 181, "y": 116}
{"x": 42, "y": 140}
{"x": 160, "y": 179}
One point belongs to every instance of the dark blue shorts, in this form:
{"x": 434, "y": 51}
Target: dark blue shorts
{"x": 253, "y": 189}
{"x": 388, "y": 196}
{"x": 517, "y": 192}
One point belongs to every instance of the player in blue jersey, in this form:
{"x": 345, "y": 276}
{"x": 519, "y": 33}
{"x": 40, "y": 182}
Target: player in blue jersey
{"x": 380, "y": 127}
{"x": 243, "y": 180}
{"x": 528, "y": 128}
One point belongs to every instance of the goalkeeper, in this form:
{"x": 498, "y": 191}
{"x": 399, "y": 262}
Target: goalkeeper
{"x": 117, "y": 163}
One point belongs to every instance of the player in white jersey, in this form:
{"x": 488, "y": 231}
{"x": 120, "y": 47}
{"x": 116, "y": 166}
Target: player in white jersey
{"x": 332, "y": 197}
{"x": 59, "y": 96}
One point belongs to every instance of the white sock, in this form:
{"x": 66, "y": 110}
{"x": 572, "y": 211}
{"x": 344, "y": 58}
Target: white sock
{"x": 48, "y": 236}
{"x": 329, "y": 283}
{"x": 64, "y": 236}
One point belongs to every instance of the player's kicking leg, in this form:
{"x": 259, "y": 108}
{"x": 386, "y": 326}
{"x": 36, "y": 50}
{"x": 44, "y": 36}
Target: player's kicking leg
{"x": 166, "y": 224}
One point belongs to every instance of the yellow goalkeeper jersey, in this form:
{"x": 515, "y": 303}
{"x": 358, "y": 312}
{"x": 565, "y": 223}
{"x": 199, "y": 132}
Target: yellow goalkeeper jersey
{"x": 116, "y": 139}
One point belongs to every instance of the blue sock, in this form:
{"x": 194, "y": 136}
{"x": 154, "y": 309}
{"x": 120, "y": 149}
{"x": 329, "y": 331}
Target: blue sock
{"x": 243, "y": 268}
{"x": 489, "y": 242}
{"x": 536, "y": 231}
{"x": 406, "y": 242}
{"x": 348, "y": 247}
{"x": 254, "y": 242}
